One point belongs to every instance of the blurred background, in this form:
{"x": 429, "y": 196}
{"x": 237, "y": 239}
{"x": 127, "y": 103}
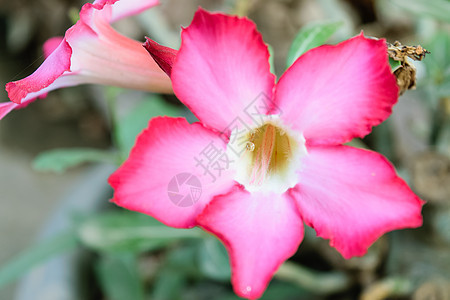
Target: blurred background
{"x": 408, "y": 264}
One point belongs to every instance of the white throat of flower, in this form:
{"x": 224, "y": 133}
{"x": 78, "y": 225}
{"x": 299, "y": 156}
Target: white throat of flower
{"x": 269, "y": 156}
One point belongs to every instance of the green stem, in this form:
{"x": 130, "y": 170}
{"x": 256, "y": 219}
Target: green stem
{"x": 111, "y": 101}
{"x": 438, "y": 122}
{"x": 387, "y": 288}
{"x": 242, "y": 7}
{"x": 319, "y": 283}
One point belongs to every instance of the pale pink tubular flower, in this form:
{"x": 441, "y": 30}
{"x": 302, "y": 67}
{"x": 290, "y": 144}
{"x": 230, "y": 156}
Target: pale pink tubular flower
{"x": 293, "y": 169}
{"x": 92, "y": 52}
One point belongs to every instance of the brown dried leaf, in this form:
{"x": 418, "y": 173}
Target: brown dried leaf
{"x": 400, "y": 52}
{"x": 406, "y": 77}
{"x": 406, "y": 74}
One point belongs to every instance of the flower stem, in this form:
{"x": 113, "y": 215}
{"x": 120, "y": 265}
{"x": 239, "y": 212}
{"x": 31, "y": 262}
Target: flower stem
{"x": 386, "y": 288}
{"x": 242, "y": 7}
{"x": 316, "y": 282}
{"x": 111, "y": 101}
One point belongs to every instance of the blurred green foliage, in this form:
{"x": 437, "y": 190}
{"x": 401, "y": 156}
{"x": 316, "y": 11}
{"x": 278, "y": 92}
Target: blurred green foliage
{"x": 310, "y": 36}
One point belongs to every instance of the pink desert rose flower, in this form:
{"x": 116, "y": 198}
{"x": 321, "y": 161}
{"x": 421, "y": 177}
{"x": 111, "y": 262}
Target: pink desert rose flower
{"x": 92, "y": 52}
{"x": 293, "y": 167}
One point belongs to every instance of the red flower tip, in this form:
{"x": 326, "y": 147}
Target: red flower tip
{"x": 163, "y": 56}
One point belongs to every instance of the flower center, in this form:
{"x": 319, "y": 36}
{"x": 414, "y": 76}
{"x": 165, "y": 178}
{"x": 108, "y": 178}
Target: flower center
{"x": 270, "y": 158}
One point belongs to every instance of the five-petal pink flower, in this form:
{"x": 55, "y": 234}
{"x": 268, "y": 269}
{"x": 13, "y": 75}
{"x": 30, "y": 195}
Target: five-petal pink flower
{"x": 92, "y": 52}
{"x": 293, "y": 169}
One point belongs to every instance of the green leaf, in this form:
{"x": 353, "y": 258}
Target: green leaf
{"x": 281, "y": 290}
{"x": 130, "y": 232}
{"x": 59, "y": 160}
{"x": 213, "y": 259}
{"x": 395, "y": 64}
{"x": 169, "y": 285}
{"x": 132, "y": 124}
{"x": 74, "y": 14}
{"x": 357, "y": 143}
{"x": 179, "y": 266}
{"x": 382, "y": 140}
{"x": 271, "y": 62}
{"x": 437, "y": 9}
{"x": 183, "y": 258}
{"x": 443, "y": 90}
{"x": 438, "y": 61}
{"x": 119, "y": 277}
{"x": 310, "y": 36}
{"x": 322, "y": 283}
{"x": 37, "y": 254}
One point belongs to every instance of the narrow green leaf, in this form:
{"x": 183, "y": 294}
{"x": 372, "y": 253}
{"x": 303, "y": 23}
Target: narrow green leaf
{"x": 74, "y": 14}
{"x": 130, "y": 232}
{"x": 357, "y": 143}
{"x": 438, "y": 61}
{"x": 271, "y": 62}
{"x": 383, "y": 140}
{"x": 169, "y": 285}
{"x": 317, "y": 282}
{"x": 59, "y": 160}
{"x": 395, "y": 64}
{"x": 213, "y": 259}
{"x": 443, "y": 90}
{"x": 37, "y": 254}
{"x": 183, "y": 258}
{"x": 310, "y": 36}
{"x": 178, "y": 266}
{"x": 132, "y": 124}
{"x": 438, "y": 9}
{"x": 119, "y": 277}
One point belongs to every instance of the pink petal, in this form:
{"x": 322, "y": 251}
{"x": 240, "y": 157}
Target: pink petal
{"x": 51, "y": 44}
{"x": 335, "y": 93}
{"x": 260, "y": 232}
{"x": 221, "y": 68}
{"x": 352, "y": 197}
{"x": 126, "y": 8}
{"x": 94, "y": 52}
{"x": 67, "y": 79}
{"x": 163, "y": 56}
{"x": 113, "y": 10}
{"x": 54, "y": 66}
{"x": 103, "y": 56}
{"x": 167, "y": 148}
{"x": 6, "y": 108}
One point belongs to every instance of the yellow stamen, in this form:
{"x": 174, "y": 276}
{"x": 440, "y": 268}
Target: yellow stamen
{"x": 271, "y": 152}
